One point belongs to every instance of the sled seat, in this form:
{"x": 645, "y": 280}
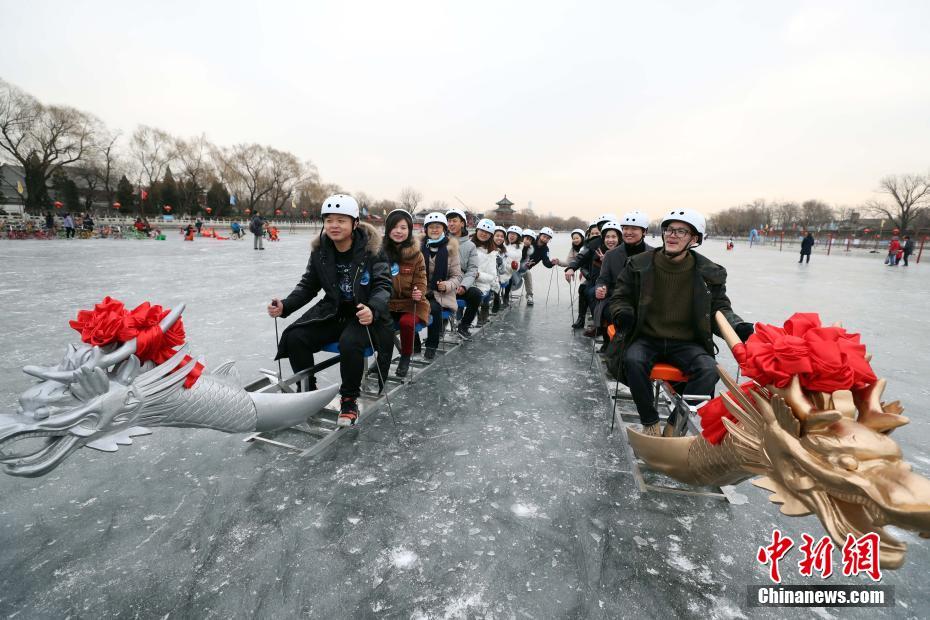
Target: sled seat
{"x": 667, "y": 372}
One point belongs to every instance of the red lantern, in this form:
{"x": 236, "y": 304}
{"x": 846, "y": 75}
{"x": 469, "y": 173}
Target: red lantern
{"x": 209, "y": 210}
{"x": 117, "y": 205}
{"x": 248, "y": 211}
{"x": 277, "y": 211}
{"x": 167, "y": 208}
{"x": 58, "y": 204}
{"x": 867, "y": 230}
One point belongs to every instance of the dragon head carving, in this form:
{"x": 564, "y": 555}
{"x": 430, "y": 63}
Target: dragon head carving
{"x": 107, "y": 390}
{"x": 94, "y": 396}
{"x": 827, "y": 453}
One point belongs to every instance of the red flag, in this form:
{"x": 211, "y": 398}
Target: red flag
{"x": 144, "y": 194}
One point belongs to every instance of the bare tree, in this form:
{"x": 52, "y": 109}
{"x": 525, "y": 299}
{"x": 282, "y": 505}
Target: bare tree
{"x": 247, "y": 168}
{"x": 787, "y": 214}
{"x": 439, "y": 205}
{"x": 152, "y": 150}
{"x": 193, "y": 158}
{"x": 287, "y": 174}
{"x": 911, "y": 195}
{"x": 409, "y": 198}
{"x": 815, "y": 213}
{"x": 40, "y": 138}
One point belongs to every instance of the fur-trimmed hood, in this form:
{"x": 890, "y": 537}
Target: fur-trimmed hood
{"x": 364, "y": 230}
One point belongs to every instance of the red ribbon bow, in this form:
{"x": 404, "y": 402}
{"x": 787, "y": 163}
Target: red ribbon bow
{"x": 109, "y": 322}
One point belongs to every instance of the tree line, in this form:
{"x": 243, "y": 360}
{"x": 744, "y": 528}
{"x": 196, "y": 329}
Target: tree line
{"x": 905, "y": 206}
{"x": 150, "y": 172}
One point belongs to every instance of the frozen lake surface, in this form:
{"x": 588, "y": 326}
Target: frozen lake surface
{"x": 499, "y": 493}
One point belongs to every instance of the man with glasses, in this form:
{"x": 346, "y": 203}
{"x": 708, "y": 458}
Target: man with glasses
{"x": 663, "y": 307}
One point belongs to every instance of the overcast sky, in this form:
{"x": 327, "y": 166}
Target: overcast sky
{"x": 579, "y": 107}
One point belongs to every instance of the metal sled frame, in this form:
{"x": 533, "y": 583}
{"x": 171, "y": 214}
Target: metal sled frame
{"x": 667, "y": 400}
{"x": 321, "y": 426}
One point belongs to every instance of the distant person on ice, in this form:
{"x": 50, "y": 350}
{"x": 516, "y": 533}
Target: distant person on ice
{"x": 908, "y": 248}
{"x": 347, "y": 264}
{"x": 663, "y": 308}
{"x": 257, "y": 228}
{"x": 807, "y": 244}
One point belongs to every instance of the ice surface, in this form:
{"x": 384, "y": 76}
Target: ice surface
{"x": 499, "y": 500}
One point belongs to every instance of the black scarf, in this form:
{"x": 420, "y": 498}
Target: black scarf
{"x": 440, "y": 271}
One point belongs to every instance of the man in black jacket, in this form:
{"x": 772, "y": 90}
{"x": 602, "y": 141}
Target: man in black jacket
{"x": 346, "y": 263}
{"x": 807, "y": 244}
{"x": 664, "y": 306}
{"x": 632, "y": 231}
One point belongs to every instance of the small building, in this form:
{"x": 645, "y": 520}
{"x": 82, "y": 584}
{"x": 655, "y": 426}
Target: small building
{"x": 504, "y": 215}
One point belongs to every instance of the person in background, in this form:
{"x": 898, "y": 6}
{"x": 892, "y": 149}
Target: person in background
{"x": 69, "y": 226}
{"x": 257, "y": 228}
{"x": 908, "y": 248}
{"x": 807, "y": 244}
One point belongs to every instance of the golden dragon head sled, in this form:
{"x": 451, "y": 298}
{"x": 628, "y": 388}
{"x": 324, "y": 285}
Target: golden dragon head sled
{"x": 131, "y": 373}
{"x": 812, "y": 424}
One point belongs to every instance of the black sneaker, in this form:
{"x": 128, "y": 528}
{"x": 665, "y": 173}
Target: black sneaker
{"x": 348, "y": 411}
{"x": 403, "y": 366}
{"x": 429, "y": 353}
{"x": 463, "y": 332}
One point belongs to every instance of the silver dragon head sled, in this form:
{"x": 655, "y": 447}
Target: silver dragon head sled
{"x": 102, "y": 397}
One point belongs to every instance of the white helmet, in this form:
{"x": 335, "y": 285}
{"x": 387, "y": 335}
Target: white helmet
{"x": 579, "y": 231}
{"x": 607, "y": 217}
{"x": 500, "y": 228}
{"x": 515, "y": 229}
{"x": 593, "y": 224}
{"x": 545, "y": 230}
{"x": 635, "y": 218}
{"x": 435, "y": 218}
{"x": 340, "y": 204}
{"x": 611, "y": 226}
{"x": 529, "y": 233}
{"x": 458, "y": 212}
{"x": 486, "y": 225}
{"x": 404, "y": 211}
{"x": 688, "y": 216}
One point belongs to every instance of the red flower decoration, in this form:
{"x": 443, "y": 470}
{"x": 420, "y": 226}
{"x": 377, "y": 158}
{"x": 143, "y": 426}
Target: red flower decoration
{"x": 110, "y": 323}
{"x": 825, "y": 359}
{"x": 100, "y": 326}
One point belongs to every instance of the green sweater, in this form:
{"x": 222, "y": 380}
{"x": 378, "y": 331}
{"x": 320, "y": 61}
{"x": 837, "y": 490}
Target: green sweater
{"x": 672, "y": 300}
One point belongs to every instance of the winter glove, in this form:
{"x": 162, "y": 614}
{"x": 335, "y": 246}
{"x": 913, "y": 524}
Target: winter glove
{"x": 624, "y": 321}
{"x": 744, "y": 331}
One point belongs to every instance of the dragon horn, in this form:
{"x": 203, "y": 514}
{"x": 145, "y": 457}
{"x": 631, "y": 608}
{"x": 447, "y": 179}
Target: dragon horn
{"x": 726, "y": 330}
{"x": 101, "y": 361}
{"x": 129, "y": 348}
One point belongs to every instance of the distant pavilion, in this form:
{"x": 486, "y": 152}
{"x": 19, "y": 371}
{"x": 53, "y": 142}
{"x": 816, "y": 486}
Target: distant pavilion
{"x": 504, "y": 215}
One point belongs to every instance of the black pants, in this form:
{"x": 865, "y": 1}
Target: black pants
{"x": 69, "y": 233}
{"x": 472, "y": 299}
{"x": 434, "y": 329}
{"x": 692, "y": 359}
{"x": 906, "y": 254}
{"x": 300, "y": 341}
{"x": 803, "y": 254}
